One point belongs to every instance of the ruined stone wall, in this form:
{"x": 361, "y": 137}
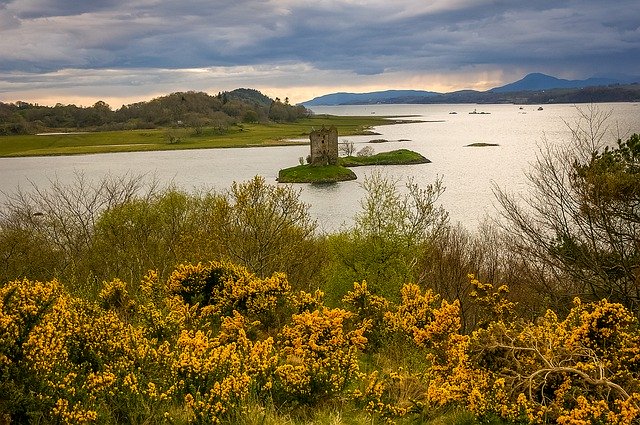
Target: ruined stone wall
{"x": 324, "y": 146}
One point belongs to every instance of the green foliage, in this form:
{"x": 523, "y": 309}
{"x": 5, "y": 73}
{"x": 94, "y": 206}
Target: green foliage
{"x": 85, "y": 233}
{"x": 141, "y": 234}
{"x": 581, "y": 221}
{"x": 385, "y": 242}
{"x": 284, "y": 112}
{"x": 608, "y": 189}
{"x": 267, "y": 229}
{"x": 195, "y": 109}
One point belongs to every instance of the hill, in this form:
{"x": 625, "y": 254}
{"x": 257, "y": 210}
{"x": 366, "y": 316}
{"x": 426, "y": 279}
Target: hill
{"x": 538, "y": 81}
{"x": 533, "y": 88}
{"x": 181, "y": 109}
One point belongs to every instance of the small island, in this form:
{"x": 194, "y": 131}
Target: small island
{"x": 396, "y": 157}
{"x": 316, "y": 174}
{"x": 480, "y": 145}
{"x": 324, "y": 165}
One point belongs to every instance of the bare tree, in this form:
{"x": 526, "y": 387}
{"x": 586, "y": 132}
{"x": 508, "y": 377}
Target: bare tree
{"x": 63, "y": 216}
{"x": 346, "y": 148}
{"x": 577, "y": 223}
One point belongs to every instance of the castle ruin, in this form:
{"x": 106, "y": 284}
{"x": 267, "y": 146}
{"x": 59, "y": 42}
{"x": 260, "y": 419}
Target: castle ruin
{"x": 324, "y": 146}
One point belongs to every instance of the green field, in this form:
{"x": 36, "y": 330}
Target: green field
{"x": 241, "y": 135}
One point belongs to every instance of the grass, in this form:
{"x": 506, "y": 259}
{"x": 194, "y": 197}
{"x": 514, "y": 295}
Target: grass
{"x": 315, "y": 174}
{"x": 397, "y": 157}
{"x": 242, "y": 135}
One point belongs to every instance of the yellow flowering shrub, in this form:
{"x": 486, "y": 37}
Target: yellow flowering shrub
{"x": 493, "y": 301}
{"x": 389, "y": 395}
{"x": 583, "y": 369}
{"x": 420, "y": 317}
{"x": 202, "y": 345}
{"x": 217, "y": 373}
{"x": 369, "y": 308}
{"x": 435, "y": 324}
{"x": 115, "y": 296}
{"x": 225, "y": 288}
{"x": 318, "y": 355}
{"x": 215, "y": 380}
{"x": 27, "y": 336}
{"x": 65, "y": 359}
{"x": 306, "y": 301}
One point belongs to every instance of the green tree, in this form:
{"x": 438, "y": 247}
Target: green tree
{"x": 142, "y": 234}
{"x": 385, "y": 244}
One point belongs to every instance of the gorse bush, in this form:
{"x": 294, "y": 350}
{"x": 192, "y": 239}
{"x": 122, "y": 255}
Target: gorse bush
{"x": 199, "y": 348}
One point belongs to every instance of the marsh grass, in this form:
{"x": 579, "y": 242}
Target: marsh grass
{"x": 241, "y": 135}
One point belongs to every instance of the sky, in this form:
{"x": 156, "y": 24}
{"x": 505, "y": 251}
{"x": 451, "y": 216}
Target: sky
{"x": 125, "y": 51}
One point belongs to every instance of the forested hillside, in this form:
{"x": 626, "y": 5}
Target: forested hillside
{"x": 182, "y": 109}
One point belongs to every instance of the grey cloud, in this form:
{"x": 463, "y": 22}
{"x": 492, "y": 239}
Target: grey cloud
{"x": 583, "y": 37}
{"x": 30, "y": 9}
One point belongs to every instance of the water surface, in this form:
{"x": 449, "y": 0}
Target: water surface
{"x": 467, "y": 172}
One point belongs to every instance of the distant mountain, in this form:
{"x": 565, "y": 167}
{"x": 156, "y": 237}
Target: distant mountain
{"x": 533, "y": 88}
{"x": 538, "y": 81}
{"x": 367, "y": 98}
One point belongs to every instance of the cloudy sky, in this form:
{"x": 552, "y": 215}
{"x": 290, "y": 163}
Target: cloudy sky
{"x": 123, "y": 51}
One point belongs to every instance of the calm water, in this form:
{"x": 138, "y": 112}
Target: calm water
{"x": 468, "y": 173}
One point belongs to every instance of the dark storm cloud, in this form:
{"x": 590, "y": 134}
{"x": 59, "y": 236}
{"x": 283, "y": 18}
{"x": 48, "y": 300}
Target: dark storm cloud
{"x": 572, "y": 38}
{"x": 30, "y": 9}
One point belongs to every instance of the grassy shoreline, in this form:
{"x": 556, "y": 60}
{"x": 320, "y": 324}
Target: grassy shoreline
{"x": 241, "y": 135}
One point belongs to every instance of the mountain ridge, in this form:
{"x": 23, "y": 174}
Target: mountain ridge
{"x": 342, "y": 98}
{"x": 539, "y": 81}
{"x": 532, "y": 88}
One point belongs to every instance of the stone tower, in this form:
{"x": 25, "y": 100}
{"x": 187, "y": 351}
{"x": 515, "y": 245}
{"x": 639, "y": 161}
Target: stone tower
{"x": 324, "y": 146}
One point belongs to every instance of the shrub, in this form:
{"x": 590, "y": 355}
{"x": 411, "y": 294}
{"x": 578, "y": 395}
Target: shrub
{"x": 226, "y": 289}
{"x": 319, "y": 356}
{"x": 366, "y": 151}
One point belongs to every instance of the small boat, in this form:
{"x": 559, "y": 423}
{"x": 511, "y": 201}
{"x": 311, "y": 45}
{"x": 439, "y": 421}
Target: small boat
{"x": 540, "y": 108}
{"x": 452, "y": 113}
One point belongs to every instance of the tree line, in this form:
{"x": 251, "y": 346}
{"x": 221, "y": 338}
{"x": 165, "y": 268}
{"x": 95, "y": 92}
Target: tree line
{"x": 181, "y": 109}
